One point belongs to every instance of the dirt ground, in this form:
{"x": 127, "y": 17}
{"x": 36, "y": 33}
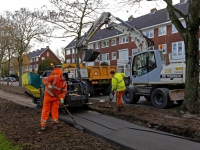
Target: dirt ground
{"x": 21, "y": 125}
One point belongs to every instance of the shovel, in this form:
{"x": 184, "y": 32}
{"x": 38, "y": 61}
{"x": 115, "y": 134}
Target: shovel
{"x": 76, "y": 125}
{"x": 111, "y": 96}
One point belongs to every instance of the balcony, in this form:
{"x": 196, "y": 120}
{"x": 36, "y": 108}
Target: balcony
{"x": 177, "y": 57}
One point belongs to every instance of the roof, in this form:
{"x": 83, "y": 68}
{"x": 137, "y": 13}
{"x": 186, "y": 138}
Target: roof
{"x": 145, "y": 21}
{"x": 36, "y": 53}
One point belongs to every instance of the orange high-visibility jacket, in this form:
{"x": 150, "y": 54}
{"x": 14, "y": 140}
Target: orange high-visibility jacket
{"x": 56, "y": 71}
{"x": 59, "y": 87}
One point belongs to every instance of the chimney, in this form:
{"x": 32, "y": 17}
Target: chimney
{"x": 47, "y": 47}
{"x": 130, "y": 18}
{"x": 153, "y": 10}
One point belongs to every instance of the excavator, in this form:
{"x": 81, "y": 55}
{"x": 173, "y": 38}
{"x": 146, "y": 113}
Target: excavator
{"x": 149, "y": 75}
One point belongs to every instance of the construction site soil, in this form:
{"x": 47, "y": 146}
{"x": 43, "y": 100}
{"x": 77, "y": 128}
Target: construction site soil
{"x": 20, "y": 124}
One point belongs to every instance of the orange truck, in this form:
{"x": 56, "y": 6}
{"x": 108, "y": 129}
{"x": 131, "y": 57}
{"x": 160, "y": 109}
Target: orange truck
{"x": 97, "y": 78}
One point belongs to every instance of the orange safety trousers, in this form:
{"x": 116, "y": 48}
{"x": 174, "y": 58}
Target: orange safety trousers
{"x": 119, "y": 97}
{"x": 49, "y": 103}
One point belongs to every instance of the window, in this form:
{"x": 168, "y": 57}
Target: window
{"x": 123, "y": 54}
{"x": 37, "y": 59}
{"x": 149, "y": 33}
{"x": 123, "y": 39}
{"x": 47, "y": 54}
{"x": 162, "y": 31}
{"x": 113, "y": 42}
{"x": 114, "y": 55}
{"x": 134, "y": 51}
{"x": 97, "y": 45}
{"x": 73, "y": 51}
{"x": 73, "y": 60}
{"x": 43, "y": 58}
{"x": 163, "y": 47}
{"x": 90, "y": 46}
{"x": 174, "y": 30}
{"x": 105, "y": 56}
{"x": 143, "y": 63}
{"x": 178, "y": 48}
{"x": 68, "y": 61}
{"x": 105, "y": 43}
{"x": 68, "y": 52}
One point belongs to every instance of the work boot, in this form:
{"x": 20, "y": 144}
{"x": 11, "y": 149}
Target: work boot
{"x": 43, "y": 128}
{"x": 119, "y": 108}
{"x": 55, "y": 126}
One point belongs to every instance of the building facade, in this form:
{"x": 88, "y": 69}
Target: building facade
{"x": 115, "y": 47}
{"x": 35, "y": 57}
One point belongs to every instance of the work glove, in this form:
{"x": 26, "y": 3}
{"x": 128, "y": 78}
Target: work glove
{"x": 61, "y": 101}
{"x": 50, "y": 87}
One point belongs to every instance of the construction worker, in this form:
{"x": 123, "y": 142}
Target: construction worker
{"x": 56, "y": 71}
{"x": 55, "y": 87}
{"x": 118, "y": 85}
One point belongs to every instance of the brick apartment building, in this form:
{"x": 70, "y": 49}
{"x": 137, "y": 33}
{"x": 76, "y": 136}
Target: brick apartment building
{"x": 115, "y": 47}
{"x": 35, "y": 57}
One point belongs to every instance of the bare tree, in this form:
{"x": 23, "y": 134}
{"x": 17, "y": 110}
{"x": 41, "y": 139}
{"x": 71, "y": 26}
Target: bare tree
{"x": 24, "y": 28}
{"x": 5, "y": 44}
{"x": 190, "y": 36}
{"x": 61, "y": 55}
{"x": 72, "y": 18}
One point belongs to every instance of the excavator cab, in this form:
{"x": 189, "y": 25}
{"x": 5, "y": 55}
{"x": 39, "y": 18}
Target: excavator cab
{"x": 90, "y": 55}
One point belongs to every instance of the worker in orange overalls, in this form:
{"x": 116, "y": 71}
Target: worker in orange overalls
{"x": 53, "y": 84}
{"x": 118, "y": 85}
{"x": 56, "y": 71}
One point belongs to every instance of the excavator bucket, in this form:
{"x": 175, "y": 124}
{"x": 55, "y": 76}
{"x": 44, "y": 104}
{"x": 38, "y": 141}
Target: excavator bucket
{"x": 90, "y": 55}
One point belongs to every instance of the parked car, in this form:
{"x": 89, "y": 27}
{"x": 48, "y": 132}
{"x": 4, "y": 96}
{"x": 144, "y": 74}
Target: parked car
{"x": 11, "y": 79}
{"x": 2, "y": 79}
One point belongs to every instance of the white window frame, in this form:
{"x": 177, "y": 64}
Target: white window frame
{"x": 114, "y": 55}
{"x": 123, "y": 39}
{"x": 113, "y": 42}
{"x": 68, "y": 61}
{"x": 90, "y": 46}
{"x": 121, "y": 51}
{"x": 37, "y": 59}
{"x": 174, "y": 30}
{"x": 163, "y": 47}
{"x": 149, "y": 33}
{"x": 73, "y": 60}
{"x": 106, "y": 56}
{"x": 178, "y": 48}
{"x": 97, "y": 45}
{"x": 42, "y": 58}
{"x": 105, "y": 43}
{"x": 68, "y": 52}
{"x": 162, "y": 31}
{"x": 135, "y": 50}
{"x": 73, "y": 51}
{"x": 47, "y": 54}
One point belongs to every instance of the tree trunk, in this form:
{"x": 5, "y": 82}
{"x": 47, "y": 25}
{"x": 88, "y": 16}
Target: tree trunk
{"x": 20, "y": 70}
{"x": 191, "y": 102}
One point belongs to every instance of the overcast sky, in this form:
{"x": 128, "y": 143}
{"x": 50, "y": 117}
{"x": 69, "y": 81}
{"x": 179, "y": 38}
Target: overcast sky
{"x": 12, "y": 5}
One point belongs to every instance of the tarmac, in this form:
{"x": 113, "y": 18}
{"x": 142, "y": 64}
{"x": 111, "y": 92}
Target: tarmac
{"x": 128, "y": 136}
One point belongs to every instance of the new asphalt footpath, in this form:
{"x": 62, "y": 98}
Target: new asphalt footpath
{"x": 127, "y": 135}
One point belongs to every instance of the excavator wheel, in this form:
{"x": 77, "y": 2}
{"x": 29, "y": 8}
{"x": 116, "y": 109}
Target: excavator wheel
{"x": 160, "y": 98}
{"x": 129, "y": 96}
{"x": 90, "y": 55}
